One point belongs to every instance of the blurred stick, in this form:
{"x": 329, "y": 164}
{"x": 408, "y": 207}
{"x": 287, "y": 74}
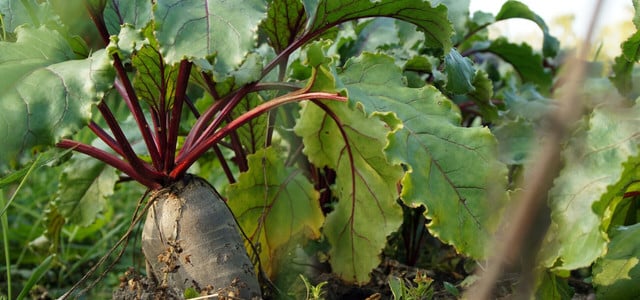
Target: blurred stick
{"x": 520, "y": 226}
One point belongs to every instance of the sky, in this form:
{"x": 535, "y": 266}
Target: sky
{"x": 613, "y": 12}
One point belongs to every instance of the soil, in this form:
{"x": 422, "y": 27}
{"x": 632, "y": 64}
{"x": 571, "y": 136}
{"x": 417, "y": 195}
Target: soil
{"x": 134, "y": 286}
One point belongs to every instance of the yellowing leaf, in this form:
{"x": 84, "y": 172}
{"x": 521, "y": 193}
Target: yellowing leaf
{"x": 274, "y": 205}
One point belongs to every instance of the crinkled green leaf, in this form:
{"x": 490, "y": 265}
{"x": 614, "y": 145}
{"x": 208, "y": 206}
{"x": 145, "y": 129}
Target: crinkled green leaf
{"x": 528, "y": 64}
{"x": 438, "y": 152}
{"x": 516, "y": 9}
{"x": 622, "y": 75}
{"x": 460, "y": 73}
{"x": 617, "y": 274}
{"x": 480, "y": 19}
{"x": 83, "y": 188}
{"x": 631, "y": 47}
{"x": 458, "y": 13}
{"x": 203, "y": 29}
{"x": 249, "y": 71}
{"x": 599, "y": 163}
{"x": 372, "y": 35}
{"x": 274, "y": 205}
{"x": 285, "y": 21}
{"x": 432, "y": 21}
{"x": 154, "y": 81}
{"x": 128, "y": 41}
{"x": 636, "y": 15}
{"x": 137, "y": 13}
{"x": 623, "y": 66}
{"x": 19, "y": 12}
{"x": 482, "y": 95}
{"x": 45, "y": 93}
{"x": 365, "y": 185}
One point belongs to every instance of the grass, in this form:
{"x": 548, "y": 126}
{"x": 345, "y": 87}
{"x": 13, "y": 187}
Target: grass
{"x": 44, "y": 255}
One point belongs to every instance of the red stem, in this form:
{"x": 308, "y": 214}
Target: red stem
{"x": 162, "y": 126}
{"x": 98, "y": 19}
{"x": 124, "y": 144}
{"x": 223, "y": 163}
{"x": 236, "y": 144}
{"x": 209, "y": 114}
{"x": 176, "y": 113}
{"x": 109, "y": 159}
{"x": 183, "y": 163}
{"x": 200, "y": 124}
{"x": 105, "y": 137}
{"x": 631, "y": 194}
{"x": 123, "y": 85}
{"x": 216, "y": 149}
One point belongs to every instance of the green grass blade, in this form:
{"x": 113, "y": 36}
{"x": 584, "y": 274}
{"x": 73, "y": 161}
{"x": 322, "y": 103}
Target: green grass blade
{"x": 36, "y": 275}
{"x": 33, "y": 165}
{"x": 5, "y": 243}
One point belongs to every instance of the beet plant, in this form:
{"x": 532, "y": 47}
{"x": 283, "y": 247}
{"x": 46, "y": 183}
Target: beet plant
{"x": 202, "y": 80}
{"x": 325, "y": 118}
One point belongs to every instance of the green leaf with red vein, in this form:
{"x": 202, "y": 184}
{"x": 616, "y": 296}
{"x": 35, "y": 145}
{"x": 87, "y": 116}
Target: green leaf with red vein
{"x": 46, "y": 92}
{"x": 433, "y": 21}
{"x": 154, "y": 81}
{"x": 462, "y": 205}
{"x": 274, "y": 205}
{"x": 366, "y": 212}
{"x": 194, "y": 29}
{"x": 285, "y": 22}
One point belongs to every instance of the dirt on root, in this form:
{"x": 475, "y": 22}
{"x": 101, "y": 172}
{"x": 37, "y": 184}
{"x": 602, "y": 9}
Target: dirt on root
{"x": 134, "y": 286}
